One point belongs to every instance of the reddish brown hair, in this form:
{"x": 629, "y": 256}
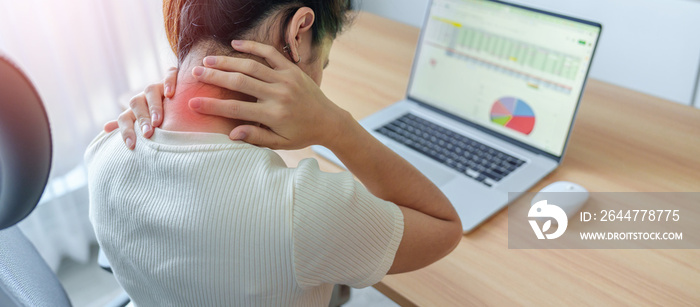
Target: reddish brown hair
{"x": 188, "y": 22}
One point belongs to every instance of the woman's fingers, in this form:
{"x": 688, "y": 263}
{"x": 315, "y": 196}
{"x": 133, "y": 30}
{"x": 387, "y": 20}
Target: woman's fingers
{"x": 126, "y": 122}
{"x": 234, "y": 109}
{"x": 267, "y": 52}
{"x": 111, "y": 126}
{"x": 234, "y": 81}
{"x": 154, "y": 101}
{"x": 139, "y": 107}
{"x": 258, "y": 136}
{"x": 170, "y": 83}
{"x": 249, "y": 67}
{"x": 146, "y": 108}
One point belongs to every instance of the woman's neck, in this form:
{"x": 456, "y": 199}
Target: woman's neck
{"x": 179, "y": 117}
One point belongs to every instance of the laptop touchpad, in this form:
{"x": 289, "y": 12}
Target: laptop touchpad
{"x": 438, "y": 176}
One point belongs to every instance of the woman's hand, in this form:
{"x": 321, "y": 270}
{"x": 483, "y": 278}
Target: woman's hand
{"x": 147, "y": 108}
{"x": 290, "y": 105}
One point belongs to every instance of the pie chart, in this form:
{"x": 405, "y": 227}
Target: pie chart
{"x": 513, "y": 113}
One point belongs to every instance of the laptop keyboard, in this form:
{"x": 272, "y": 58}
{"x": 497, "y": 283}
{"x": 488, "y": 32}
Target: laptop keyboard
{"x": 478, "y": 161}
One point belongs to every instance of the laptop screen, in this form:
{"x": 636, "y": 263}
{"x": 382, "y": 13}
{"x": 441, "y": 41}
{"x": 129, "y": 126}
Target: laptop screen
{"x": 519, "y": 73}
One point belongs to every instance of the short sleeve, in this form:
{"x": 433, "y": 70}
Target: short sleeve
{"x": 342, "y": 233}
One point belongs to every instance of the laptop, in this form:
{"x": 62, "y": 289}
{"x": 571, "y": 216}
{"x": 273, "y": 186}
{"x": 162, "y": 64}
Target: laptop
{"x": 491, "y": 102}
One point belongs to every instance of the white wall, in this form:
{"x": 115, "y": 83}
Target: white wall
{"x": 697, "y": 93}
{"x": 650, "y": 46}
{"x": 409, "y": 12}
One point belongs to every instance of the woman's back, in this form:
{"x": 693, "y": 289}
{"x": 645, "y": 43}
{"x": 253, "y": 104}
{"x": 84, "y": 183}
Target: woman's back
{"x": 194, "y": 219}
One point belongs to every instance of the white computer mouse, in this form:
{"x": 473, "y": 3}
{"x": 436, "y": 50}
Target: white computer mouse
{"x": 569, "y": 196}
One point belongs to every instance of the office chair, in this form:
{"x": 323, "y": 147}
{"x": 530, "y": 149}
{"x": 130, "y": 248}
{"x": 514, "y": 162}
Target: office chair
{"x": 25, "y": 161}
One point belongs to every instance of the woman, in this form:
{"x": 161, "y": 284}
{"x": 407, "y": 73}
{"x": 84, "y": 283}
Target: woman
{"x": 193, "y": 218}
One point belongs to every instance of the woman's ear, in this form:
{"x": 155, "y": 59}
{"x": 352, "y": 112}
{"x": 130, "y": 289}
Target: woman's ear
{"x": 299, "y": 33}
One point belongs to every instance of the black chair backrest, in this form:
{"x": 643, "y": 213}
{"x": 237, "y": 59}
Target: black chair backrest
{"x": 25, "y": 145}
{"x": 25, "y": 162}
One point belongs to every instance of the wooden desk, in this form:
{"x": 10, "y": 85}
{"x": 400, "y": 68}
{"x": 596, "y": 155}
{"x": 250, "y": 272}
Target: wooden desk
{"x": 622, "y": 141}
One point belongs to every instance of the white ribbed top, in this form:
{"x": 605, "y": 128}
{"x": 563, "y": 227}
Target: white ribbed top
{"x": 194, "y": 219}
